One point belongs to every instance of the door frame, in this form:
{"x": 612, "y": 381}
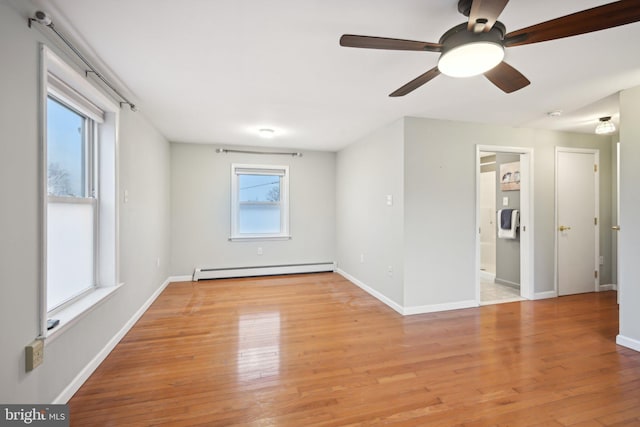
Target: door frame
{"x": 596, "y": 153}
{"x": 526, "y": 216}
{"x": 616, "y": 232}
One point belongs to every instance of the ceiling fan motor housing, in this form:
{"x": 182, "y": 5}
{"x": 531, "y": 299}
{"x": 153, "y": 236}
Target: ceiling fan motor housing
{"x": 459, "y": 35}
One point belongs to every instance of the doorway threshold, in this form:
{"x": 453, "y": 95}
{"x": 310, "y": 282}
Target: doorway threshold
{"x": 502, "y": 301}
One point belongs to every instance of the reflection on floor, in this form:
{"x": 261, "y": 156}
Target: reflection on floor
{"x": 495, "y": 293}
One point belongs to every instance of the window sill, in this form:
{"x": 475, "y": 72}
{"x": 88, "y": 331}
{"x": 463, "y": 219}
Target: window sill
{"x": 76, "y": 311}
{"x": 257, "y": 238}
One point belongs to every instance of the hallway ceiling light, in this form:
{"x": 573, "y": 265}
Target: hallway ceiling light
{"x": 605, "y": 126}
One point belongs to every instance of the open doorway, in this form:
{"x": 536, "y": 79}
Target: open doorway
{"x": 504, "y": 207}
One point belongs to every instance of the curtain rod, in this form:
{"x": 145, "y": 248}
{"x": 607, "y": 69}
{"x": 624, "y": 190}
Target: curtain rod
{"x": 44, "y": 19}
{"x": 226, "y": 150}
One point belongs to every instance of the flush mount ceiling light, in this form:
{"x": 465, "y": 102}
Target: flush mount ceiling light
{"x": 266, "y": 133}
{"x": 605, "y": 126}
{"x": 467, "y": 54}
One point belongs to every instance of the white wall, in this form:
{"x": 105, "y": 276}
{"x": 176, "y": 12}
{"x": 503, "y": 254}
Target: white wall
{"x": 144, "y": 222}
{"x": 200, "y": 210}
{"x": 440, "y": 204}
{"x": 368, "y": 171}
{"x": 629, "y": 235}
{"x": 429, "y": 167}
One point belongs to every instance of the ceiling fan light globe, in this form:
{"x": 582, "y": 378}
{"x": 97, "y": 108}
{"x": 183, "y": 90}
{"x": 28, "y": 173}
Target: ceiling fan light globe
{"x": 470, "y": 59}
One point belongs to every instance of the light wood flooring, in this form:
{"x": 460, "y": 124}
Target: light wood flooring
{"x": 315, "y": 350}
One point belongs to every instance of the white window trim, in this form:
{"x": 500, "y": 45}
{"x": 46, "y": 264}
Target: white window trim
{"x": 275, "y": 170}
{"x": 108, "y": 249}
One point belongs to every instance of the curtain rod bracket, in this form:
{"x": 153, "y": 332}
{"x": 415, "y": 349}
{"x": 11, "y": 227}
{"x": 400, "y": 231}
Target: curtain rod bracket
{"x": 44, "y": 19}
{"x": 132, "y": 107}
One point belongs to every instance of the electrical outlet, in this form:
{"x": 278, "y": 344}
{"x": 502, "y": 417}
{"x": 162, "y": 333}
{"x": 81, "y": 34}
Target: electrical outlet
{"x": 361, "y": 258}
{"x": 260, "y": 251}
{"x": 390, "y": 270}
{"x": 34, "y": 353}
{"x": 601, "y": 260}
{"x": 158, "y": 262}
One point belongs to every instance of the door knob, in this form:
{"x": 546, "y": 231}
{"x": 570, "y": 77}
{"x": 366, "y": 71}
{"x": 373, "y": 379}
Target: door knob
{"x": 564, "y": 228}
{"x": 616, "y": 228}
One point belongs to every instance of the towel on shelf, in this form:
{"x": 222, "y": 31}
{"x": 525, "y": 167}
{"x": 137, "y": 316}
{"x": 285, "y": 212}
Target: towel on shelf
{"x": 514, "y": 222}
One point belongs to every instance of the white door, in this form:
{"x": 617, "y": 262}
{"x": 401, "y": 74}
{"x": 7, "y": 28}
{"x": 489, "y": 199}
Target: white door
{"x": 576, "y": 220}
{"x": 488, "y": 222}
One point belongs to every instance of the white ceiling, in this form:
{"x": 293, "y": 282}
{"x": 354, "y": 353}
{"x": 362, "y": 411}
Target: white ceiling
{"x": 215, "y": 71}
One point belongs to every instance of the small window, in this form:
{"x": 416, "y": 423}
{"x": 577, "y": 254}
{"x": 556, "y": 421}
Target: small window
{"x": 259, "y": 207}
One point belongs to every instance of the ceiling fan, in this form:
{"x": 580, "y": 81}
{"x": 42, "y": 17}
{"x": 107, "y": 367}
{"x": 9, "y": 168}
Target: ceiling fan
{"x": 477, "y": 46}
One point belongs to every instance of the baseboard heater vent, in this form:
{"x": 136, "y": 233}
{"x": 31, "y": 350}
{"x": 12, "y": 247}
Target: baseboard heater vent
{"x": 265, "y": 270}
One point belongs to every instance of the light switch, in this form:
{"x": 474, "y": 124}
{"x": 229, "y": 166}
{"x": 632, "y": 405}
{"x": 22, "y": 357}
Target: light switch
{"x": 505, "y": 201}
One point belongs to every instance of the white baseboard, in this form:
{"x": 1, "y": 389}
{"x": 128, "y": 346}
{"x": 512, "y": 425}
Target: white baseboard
{"x": 628, "y": 342}
{"x": 422, "y": 309}
{"x": 545, "y": 295}
{"x": 610, "y": 287}
{"x": 185, "y": 278}
{"x": 394, "y": 305}
{"x": 86, "y": 372}
{"x": 507, "y": 283}
{"x": 407, "y": 311}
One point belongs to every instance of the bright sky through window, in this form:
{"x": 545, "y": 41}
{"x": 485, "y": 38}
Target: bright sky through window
{"x": 65, "y": 151}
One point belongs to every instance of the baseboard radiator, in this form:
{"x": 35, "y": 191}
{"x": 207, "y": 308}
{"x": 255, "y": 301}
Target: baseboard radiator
{"x": 265, "y": 270}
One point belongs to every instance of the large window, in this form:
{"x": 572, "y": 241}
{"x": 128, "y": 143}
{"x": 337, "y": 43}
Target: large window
{"x": 80, "y": 207}
{"x": 71, "y": 203}
{"x": 259, "y": 201}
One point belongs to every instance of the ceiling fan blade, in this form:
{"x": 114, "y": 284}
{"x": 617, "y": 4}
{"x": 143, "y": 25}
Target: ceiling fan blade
{"x": 368, "y": 42}
{"x": 506, "y": 77}
{"x": 484, "y": 13}
{"x": 598, "y": 18}
{"x": 416, "y": 83}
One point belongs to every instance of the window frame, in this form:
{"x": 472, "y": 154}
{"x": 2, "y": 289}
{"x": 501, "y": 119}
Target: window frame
{"x": 253, "y": 169}
{"x": 57, "y": 77}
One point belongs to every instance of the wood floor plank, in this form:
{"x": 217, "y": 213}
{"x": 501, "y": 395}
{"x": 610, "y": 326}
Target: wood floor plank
{"x": 315, "y": 349}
